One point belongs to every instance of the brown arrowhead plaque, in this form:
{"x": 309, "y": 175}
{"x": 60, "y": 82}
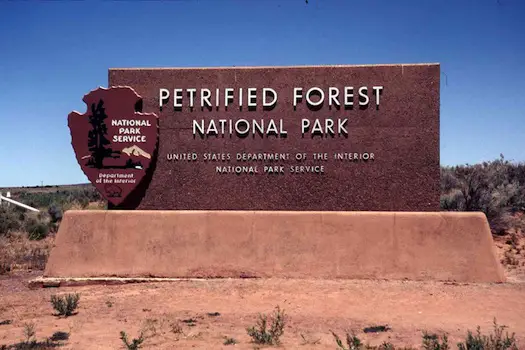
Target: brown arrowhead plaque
{"x": 113, "y": 142}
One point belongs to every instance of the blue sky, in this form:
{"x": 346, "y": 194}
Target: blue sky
{"x": 52, "y": 53}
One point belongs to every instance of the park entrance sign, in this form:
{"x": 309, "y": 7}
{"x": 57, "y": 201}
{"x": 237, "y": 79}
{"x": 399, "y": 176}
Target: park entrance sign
{"x": 292, "y": 172}
{"x": 265, "y": 138}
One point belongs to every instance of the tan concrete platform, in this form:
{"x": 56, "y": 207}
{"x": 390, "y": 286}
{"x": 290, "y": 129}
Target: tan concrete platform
{"x": 218, "y": 244}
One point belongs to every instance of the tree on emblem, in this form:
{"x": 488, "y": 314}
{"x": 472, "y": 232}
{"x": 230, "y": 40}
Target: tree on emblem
{"x": 97, "y": 140}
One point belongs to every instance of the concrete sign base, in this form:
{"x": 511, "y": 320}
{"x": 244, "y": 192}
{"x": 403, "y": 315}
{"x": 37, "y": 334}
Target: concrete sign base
{"x": 439, "y": 246}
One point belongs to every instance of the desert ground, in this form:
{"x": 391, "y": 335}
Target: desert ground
{"x": 201, "y": 314}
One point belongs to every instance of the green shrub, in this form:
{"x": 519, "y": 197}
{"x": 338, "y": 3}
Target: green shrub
{"x": 37, "y": 230}
{"x": 496, "y": 188}
{"x": 16, "y": 219}
{"x": 352, "y": 341}
{"x": 148, "y": 330}
{"x": 432, "y": 341}
{"x": 494, "y": 341}
{"x": 9, "y": 220}
{"x": 65, "y": 305}
{"x": 261, "y": 334}
{"x": 134, "y": 344}
{"x": 55, "y": 213}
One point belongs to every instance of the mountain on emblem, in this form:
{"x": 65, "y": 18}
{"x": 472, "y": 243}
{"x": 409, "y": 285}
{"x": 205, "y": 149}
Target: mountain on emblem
{"x": 136, "y": 151}
{"x": 113, "y": 142}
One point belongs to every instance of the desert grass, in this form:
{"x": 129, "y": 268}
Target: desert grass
{"x": 18, "y": 252}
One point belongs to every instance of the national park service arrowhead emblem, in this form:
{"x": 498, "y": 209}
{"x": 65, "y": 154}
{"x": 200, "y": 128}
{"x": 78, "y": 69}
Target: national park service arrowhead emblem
{"x": 114, "y": 143}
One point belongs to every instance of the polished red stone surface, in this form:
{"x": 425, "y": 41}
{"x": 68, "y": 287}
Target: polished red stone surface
{"x": 402, "y": 133}
{"x": 113, "y": 143}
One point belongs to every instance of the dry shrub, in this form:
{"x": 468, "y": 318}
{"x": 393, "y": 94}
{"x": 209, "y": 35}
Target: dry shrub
{"x": 100, "y": 205}
{"x": 75, "y": 205}
{"x": 495, "y": 188}
{"x": 18, "y": 252}
{"x": 268, "y": 330}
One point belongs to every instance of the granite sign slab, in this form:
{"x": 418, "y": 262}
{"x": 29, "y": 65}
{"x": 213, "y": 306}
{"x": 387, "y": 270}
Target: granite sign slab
{"x": 319, "y": 138}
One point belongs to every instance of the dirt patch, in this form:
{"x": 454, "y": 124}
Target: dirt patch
{"x": 203, "y": 314}
{"x": 511, "y": 253}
